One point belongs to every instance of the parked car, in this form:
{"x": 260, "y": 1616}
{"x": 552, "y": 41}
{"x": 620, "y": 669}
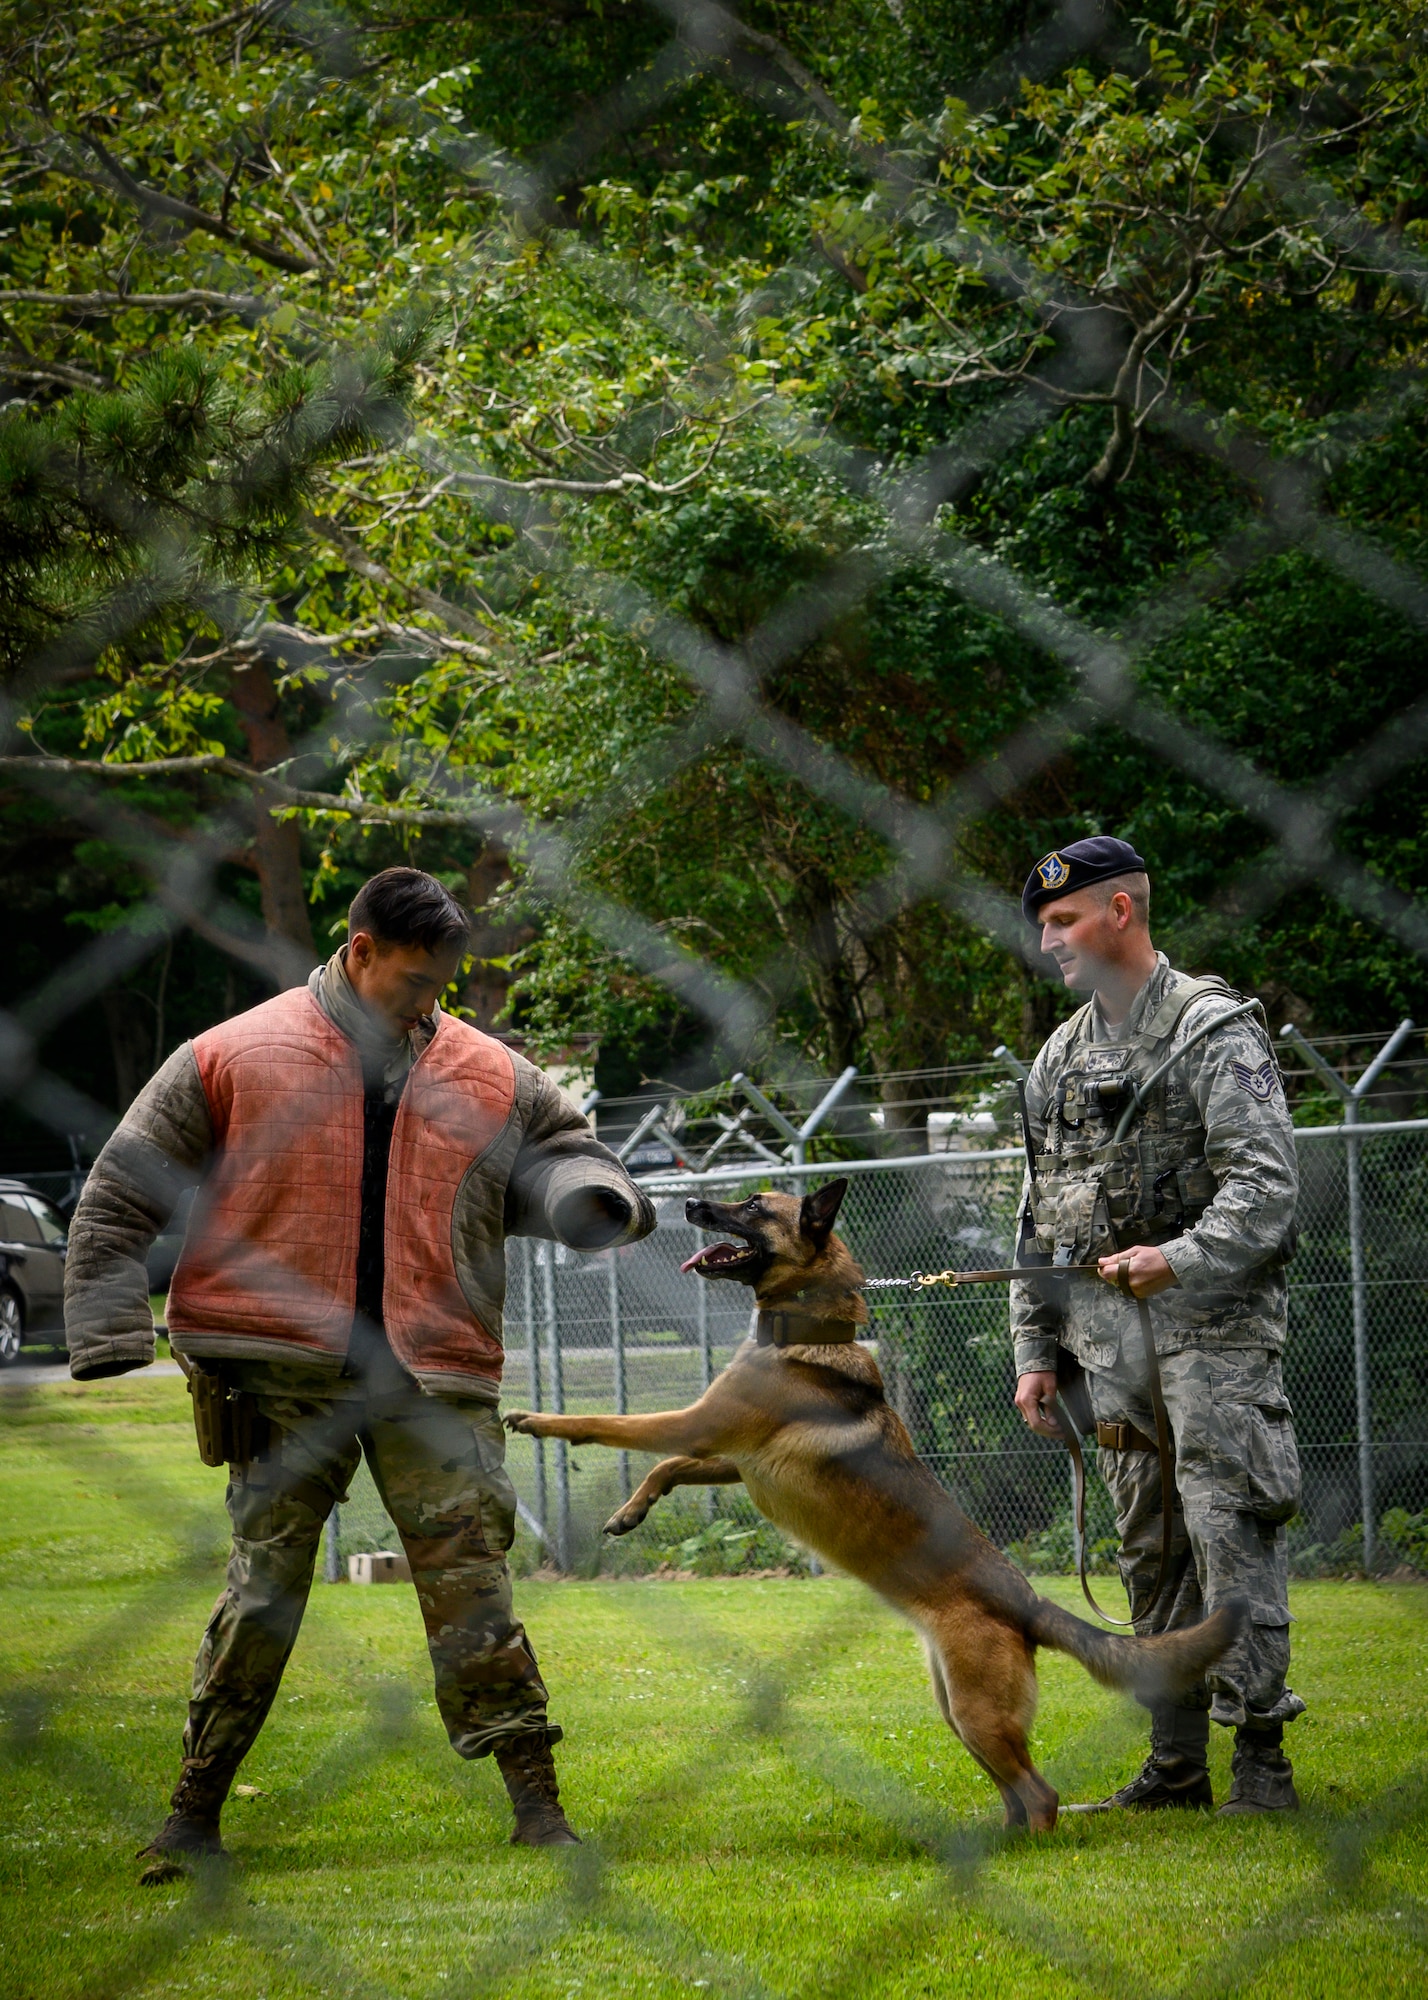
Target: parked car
{"x": 33, "y": 1239}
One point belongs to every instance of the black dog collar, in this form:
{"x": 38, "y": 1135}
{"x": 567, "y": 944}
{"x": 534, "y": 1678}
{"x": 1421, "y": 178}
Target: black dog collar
{"x": 791, "y": 1329}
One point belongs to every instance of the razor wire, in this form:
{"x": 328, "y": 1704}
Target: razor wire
{"x": 926, "y": 861}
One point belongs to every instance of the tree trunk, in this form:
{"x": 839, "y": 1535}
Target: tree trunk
{"x": 904, "y": 1120}
{"x": 488, "y": 989}
{"x": 130, "y": 1020}
{"x": 1040, "y": 1012}
{"x": 277, "y": 847}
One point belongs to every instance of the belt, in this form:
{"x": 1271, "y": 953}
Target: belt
{"x": 1123, "y": 1437}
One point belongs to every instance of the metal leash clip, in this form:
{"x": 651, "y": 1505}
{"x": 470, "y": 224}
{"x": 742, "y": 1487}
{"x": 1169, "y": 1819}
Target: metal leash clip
{"x": 923, "y": 1281}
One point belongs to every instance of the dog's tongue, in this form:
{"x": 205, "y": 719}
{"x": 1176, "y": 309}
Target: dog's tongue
{"x": 709, "y": 1253}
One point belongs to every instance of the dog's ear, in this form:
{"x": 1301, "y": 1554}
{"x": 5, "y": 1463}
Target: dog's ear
{"x": 820, "y": 1210}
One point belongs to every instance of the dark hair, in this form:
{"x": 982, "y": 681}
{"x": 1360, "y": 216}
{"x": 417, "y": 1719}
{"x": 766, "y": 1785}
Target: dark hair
{"x": 409, "y": 907}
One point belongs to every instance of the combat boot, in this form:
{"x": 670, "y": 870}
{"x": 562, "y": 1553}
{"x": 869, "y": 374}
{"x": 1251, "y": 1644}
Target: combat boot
{"x": 528, "y": 1768}
{"x": 190, "y": 1833}
{"x": 1261, "y": 1776}
{"x": 1175, "y": 1774}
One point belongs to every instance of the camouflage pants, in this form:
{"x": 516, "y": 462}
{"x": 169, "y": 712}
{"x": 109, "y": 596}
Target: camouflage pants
{"x": 1237, "y": 1483}
{"x": 440, "y": 1469}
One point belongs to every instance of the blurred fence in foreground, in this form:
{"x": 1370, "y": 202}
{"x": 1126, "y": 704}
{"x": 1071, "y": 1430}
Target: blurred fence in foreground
{"x": 624, "y": 1330}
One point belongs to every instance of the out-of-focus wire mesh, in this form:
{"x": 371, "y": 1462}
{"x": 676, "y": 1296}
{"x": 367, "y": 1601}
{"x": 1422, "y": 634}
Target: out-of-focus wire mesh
{"x": 625, "y": 1328}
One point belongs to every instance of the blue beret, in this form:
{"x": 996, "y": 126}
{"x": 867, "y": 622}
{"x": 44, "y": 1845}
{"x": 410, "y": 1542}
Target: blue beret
{"x": 1067, "y": 869}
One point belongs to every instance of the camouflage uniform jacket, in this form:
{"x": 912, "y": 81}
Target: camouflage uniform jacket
{"x": 1222, "y": 1110}
{"x": 544, "y": 1158}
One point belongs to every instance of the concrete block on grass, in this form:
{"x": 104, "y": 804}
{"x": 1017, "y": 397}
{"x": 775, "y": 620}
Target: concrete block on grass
{"x": 381, "y": 1567}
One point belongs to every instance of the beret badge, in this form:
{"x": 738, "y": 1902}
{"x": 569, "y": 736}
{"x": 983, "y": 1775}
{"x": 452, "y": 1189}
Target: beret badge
{"x": 1052, "y": 872}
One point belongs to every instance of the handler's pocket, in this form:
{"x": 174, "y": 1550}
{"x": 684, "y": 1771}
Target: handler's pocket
{"x": 1273, "y": 1463}
{"x": 1258, "y": 1469}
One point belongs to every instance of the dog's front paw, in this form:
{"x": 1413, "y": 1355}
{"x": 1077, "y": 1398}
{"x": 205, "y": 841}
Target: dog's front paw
{"x": 627, "y": 1517}
{"x": 528, "y": 1422}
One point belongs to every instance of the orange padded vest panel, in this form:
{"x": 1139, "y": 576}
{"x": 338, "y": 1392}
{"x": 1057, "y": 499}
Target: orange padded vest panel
{"x": 273, "y": 1253}
{"x": 457, "y": 1102}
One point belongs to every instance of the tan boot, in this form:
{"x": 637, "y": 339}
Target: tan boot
{"x": 190, "y": 1833}
{"x": 528, "y": 1768}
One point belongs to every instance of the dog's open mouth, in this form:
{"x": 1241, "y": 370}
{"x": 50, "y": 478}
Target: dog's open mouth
{"x": 718, "y": 1258}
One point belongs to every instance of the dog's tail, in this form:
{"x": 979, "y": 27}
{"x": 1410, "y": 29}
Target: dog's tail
{"x": 1153, "y": 1670}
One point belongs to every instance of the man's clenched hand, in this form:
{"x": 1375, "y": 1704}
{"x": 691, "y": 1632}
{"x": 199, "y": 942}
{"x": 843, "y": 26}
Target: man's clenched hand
{"x": 1147, "y": 1271}
{"x": 1036, "y": 1400}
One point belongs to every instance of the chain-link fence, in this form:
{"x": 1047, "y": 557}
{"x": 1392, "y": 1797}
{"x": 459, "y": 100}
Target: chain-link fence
{"x": 626, "y": 1330}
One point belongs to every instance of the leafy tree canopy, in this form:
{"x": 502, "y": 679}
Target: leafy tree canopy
{"x": 457, "y": 416}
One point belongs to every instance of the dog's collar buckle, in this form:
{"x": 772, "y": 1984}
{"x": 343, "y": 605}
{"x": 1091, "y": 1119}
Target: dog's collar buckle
{"x": 786, "y": 1329}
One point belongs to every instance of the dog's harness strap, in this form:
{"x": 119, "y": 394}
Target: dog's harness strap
{"x": 790, "y": 1329}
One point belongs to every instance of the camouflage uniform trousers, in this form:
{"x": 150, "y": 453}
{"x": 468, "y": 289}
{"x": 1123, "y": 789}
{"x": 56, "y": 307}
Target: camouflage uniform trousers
{"x": 439, "y": 1466}
{"x": 1237, "y": 1483}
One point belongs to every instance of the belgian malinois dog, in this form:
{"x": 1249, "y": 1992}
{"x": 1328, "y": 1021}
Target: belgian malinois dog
{"x": 799, "y": 1416}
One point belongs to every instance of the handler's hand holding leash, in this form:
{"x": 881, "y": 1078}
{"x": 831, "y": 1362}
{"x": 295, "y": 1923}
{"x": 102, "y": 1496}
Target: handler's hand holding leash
{"x": 1137, "y": 1273}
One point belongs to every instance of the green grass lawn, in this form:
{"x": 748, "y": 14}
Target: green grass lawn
{"x": 770, "y": 1805}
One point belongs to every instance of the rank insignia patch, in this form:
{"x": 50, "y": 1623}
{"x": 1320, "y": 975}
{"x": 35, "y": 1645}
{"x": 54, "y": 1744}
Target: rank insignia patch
{"x": 1258, "y": 1082}
{"x": 1052, "y": 872}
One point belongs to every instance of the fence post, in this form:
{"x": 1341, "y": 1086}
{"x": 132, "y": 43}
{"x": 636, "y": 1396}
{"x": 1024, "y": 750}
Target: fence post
{"x": 1358, "y": 1290}
{"x": 706, "y": 1375}
{"x": 546, "y": 1254}
{"x": 706, "y": 1352}
{"x": 1353, "y": 1096}
{"x": 798, "y": 1136}
{"x": 617, "y": 1348}
{"x": 533, "y": 1362}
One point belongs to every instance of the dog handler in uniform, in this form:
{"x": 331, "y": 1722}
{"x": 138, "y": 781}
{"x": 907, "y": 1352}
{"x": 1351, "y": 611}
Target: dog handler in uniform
{"x": 1197, "y": 1204}
{"x": 363, "y": 1157}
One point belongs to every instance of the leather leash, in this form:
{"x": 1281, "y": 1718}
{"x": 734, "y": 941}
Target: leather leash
{"x": 1163, "y": 1451}
{"x": 922, "y": 1281}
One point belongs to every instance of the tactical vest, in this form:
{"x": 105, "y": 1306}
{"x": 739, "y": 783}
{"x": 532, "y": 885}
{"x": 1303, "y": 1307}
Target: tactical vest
{"x": 1091, "y": 1196}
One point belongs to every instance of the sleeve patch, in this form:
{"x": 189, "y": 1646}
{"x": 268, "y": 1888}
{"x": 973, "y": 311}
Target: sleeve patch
{"x": 1258, "y": 1082}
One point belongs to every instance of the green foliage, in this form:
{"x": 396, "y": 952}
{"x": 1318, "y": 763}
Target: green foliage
{"x": 123, "y": 514}
{"x": 1402, "y": 1544}
{"x": 737, "y": 1540}
{"x": 713, "y": 337}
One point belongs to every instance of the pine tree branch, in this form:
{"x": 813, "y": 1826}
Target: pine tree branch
{"x": 277, "y": 794}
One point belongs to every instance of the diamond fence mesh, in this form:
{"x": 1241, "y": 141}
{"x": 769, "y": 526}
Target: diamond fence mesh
{"x": 626, "y": 1328}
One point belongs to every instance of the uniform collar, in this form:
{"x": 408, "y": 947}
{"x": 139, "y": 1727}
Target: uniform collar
{"x": 1141, "y": 1008}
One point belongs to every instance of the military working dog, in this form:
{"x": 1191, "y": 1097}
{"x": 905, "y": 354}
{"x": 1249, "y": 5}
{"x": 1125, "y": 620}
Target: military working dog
{"x": 800, "y": 1417}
